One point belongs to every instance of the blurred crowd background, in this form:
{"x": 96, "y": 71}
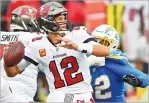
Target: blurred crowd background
{"x": 130, "y": 18}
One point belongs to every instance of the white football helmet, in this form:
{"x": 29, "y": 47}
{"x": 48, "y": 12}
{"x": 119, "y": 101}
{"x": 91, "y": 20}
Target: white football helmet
{"x": 107, "y": 36}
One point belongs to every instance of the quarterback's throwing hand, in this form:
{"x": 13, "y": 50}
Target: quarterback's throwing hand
{"x": 66, "y": 43}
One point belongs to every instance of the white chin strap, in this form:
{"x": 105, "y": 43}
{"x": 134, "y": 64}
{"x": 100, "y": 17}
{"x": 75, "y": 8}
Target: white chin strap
{"x": 14, "y": 27}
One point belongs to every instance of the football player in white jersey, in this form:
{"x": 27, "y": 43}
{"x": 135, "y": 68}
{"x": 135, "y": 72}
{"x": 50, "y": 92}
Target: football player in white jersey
{"x": 6, "y": 94}
{"x": 24, "y": 85}
{"x": 63, "y": 58}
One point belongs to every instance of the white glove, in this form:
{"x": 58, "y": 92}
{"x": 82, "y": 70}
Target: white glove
{"x": 93, "y": 60}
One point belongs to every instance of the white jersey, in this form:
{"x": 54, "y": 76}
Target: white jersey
{"x": 25, "y": 83}
{"x": 66, "y": 70}
{"x": 6, "y": 94}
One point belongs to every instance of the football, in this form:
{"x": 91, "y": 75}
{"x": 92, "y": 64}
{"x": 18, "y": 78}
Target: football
{"x": 14, "y": 54}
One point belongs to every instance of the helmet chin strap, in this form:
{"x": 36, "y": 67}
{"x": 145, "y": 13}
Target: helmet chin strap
{"x": 63, "y": 33}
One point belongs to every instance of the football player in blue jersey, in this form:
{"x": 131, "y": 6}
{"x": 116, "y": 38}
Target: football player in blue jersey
{"x": 108, "y": 80}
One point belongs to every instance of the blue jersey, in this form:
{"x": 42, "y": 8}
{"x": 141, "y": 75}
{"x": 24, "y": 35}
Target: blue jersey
{"x": 107, "y": 80}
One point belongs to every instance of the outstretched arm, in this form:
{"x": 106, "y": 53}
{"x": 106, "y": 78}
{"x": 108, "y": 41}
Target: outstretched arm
{"x": 126, "y": 69}
{"x": 92, "y": 47}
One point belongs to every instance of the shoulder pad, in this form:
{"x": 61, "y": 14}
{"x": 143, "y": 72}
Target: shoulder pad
{"x": 118, "y": 59}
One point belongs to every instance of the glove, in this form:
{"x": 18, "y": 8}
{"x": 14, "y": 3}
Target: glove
{"x": 132, "y": 80}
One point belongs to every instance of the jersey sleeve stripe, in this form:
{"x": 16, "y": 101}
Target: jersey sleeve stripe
{"x": 21, "y": 71}
{"x": 31, "y": 60}
{"x": 89, "y": 40}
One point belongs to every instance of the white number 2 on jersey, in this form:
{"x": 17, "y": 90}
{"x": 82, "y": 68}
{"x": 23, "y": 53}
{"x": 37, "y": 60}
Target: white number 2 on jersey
{"x": 98, "y": 88}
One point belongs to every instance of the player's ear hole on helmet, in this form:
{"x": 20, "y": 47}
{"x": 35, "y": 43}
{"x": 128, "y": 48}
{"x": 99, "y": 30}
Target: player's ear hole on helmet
{"x": 50, "y": 18}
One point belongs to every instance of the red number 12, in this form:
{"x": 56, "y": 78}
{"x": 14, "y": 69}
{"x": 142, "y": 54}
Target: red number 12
{"x": 59, "y": 82}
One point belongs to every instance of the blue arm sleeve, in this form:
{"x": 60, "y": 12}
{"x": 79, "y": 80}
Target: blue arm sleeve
{"x": 123, "y": 69}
